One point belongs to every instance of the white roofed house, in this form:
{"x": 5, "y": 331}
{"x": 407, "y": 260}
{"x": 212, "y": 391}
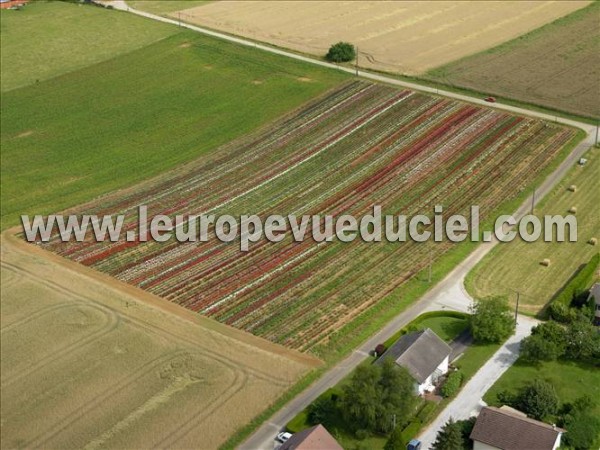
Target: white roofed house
{"x": 424, "y": 355}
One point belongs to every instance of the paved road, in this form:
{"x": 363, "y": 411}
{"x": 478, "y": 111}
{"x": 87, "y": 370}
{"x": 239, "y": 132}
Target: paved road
{"x": 468, "y": 401}
{"x": 448, "y": 294}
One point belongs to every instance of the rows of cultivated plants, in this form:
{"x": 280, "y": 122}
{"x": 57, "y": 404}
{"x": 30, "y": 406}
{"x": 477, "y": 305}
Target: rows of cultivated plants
{"x": 360, "y": 145}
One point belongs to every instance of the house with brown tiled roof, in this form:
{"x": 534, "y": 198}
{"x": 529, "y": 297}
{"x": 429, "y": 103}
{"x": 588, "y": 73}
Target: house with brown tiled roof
{"x": 314, "y": 438}
{"x": 508, "y": 429}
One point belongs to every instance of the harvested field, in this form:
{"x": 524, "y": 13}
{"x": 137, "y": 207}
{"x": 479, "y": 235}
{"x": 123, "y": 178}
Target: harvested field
{"x": 89, "y": 363}
{"x": 511, "y": 267}
{"x": 360, "y": 145}
{"x": 405, "y": 37}
{"x": 556, "y": 66}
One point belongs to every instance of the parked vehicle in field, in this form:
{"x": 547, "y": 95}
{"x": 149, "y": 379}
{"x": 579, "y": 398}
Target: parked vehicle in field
{"x": 490, "y": 99}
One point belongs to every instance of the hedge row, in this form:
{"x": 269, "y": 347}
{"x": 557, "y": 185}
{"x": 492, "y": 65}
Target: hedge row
{"x": 579, "y": 283}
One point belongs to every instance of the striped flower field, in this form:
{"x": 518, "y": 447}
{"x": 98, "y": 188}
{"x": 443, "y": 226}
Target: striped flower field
{"x": 360, "y": 145}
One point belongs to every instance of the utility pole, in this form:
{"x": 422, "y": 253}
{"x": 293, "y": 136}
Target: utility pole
{"x": 533, "y": 200}
{"x": 517, "y": 307}
{"x": 356, "y": 61}
{"x": 597, "y": 126}
{"x": 179, "y": 15}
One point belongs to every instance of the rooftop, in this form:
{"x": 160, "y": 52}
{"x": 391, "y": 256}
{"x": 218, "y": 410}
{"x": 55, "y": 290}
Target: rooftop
{"x": 420, "y": 353}
{"x": 510, "y": 429}
{"x": 314, "y": 438}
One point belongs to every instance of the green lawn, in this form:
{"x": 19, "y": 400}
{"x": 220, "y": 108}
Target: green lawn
{"x": 44, "y": 40}
{"x": 164, "y": 7}
{"x": 570, "y": 379}
{"x": 86, "y": 133}
{"x": 516, "y": 265}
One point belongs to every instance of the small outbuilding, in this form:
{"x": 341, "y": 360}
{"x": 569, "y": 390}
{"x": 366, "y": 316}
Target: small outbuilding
{"x": 424, "y": 354}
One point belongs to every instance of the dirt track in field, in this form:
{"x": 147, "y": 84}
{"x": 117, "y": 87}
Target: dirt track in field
{"x": 89, "y": 364}
{"x": 405, "y": 37}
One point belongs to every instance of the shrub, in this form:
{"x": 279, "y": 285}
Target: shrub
{"x": 452, "y": 384}
{"x": 341, "y": 52}
{"x": 538, "y": 399}
{"x": 361, "y": 434}
{"x": 411, "y": 430}
{"x": 426, "y": 412}
{"x": 324, "y": 411}
{"x": 380, "y": 350}
{"x": 561, "y": 313}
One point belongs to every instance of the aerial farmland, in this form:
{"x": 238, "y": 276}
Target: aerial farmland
{"x": 163, "y": 114}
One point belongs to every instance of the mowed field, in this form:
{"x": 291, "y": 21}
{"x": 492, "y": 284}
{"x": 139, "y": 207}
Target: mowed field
{"x": 87, "y": 363}
{"x": 47, "y": 39}
{"x": 85, "y": 133}
{"x": 556, "y": 66}
{"x": 402, "y": 37}
{"x": 359, "y": 145}
{"x": 516, "y": 266}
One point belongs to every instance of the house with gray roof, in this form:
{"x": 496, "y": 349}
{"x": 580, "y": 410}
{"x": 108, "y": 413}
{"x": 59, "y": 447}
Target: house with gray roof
{"x": 508, "y": 429}
{"x": 424, "y": 354}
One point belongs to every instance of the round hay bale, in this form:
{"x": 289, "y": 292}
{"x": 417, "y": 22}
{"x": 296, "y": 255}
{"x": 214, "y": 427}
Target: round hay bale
{"x": 545, "y": 262}
{"x": 573, "y": 188}
{"x": 573, "y": 210}
{"x": 593, "y": 241}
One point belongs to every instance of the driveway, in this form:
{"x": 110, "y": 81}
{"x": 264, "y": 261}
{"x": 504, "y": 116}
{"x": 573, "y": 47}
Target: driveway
{"x": 468, "y": 401}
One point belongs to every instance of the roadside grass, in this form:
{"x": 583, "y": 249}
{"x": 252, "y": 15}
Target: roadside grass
{"x": 70, "y": 139}
{"x": 571, "y": 380}
{"x": 47, "y": 39}
{"x": 446, "y": 324}
{"x": 515, "y": 266}
{"x": 449, "y": 324}
{"x": 164, "y": 7}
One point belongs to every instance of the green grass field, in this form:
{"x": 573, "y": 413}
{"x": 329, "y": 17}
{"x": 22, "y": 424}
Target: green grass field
{"x": 516, "y": 265}
{"x": 163, "y": 7}
{"x": 44, "y": 40}
{"x": 570, "y": 379}
{"x": 86, "y": 133}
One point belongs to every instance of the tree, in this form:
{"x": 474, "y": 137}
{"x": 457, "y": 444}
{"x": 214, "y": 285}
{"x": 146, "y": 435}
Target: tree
{"x": 492, "y": 321}
{"x": 449, "y": 437}
{"x": 582, "y": 341}
{"x": 535, "y": 348}
{"x": 323, "y": 411}
{"x": 583, "y": 428}
{"x": 341, "y": 52}
{"x": 378, "y": 396}
{"x": 538, "y": 399}
{"x": 546, "y": 343}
